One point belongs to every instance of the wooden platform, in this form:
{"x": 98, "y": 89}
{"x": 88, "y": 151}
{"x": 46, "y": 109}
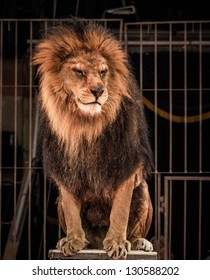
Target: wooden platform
{"x": 100, "y": 255}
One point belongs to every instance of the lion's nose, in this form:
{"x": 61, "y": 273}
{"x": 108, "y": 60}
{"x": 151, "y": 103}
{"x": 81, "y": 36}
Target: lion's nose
{"x": 97, "y": 91}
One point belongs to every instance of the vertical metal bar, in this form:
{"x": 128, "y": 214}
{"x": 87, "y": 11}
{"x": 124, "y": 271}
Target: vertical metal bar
{"x": 200, "y": 143}
{"x": 141, "y": 60}
{"x": 15, "y": 139}
{"x": 126, "y": 38}
{"x": 156, "y": 99}
{"x": 55, "y": 8}
{"x": 156, "y": 123}
{"x": 121, "y": 30}
{"x": 45, "y": 198}
{"x": 170, "y": 139}
{"x": 157, "y": 211}
{"x": 185, "y": 97}
{"x": 166, "y": 219}
{"x": 170, "y": 100}
{"x": 1, "y": 107}
{"x": 185, "y": 220}
{"x": 77, "y": 8}
{"x": 170, "y": 218}
{"x": 185, "y": 139}
{"x": 59, "y": 232}
{"x": 200, "y": 97}
{"x": 200, "y": 219}
{"x": 45, "y": 219}
{"x": 156, "y": 118}
{"x": 30, "y": 142}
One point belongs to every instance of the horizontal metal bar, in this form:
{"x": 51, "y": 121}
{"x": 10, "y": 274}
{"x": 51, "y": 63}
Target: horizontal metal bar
{"x": 55, "y": 19}
{"x": 168, "y": 43}
{"x": 167, "y": 23}
{"x": 187, "y": 178}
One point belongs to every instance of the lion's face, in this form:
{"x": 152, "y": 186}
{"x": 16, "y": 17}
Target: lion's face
{"x": 85, "y": 79}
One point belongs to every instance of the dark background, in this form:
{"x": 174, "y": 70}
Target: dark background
{"x": 146, "y": 10}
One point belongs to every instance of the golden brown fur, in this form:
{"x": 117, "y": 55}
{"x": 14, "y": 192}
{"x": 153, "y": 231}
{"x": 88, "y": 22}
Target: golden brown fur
{"x": 94, "y": 139}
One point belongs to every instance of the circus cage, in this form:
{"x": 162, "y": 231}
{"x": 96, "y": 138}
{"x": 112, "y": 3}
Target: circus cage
{"x": 171, "y": 62}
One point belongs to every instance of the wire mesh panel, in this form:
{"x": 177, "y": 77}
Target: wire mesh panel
{"x": 28, "y": 219}
{"x": 171, "y": 62}
{"x": 186, "y": 225}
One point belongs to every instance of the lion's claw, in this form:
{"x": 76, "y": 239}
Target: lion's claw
{"x": 142, "y": 244}
{"x": 117, "y": 250}
{"x": 70, "y": 246}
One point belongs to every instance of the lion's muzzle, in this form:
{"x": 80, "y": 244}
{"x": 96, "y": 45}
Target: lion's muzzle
{"x": 97, "y": 91}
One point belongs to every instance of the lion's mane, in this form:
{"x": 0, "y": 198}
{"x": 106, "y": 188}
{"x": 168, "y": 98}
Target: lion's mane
{"x": 90, "y": 155}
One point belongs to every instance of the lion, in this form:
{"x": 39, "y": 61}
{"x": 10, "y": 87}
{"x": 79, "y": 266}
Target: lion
{"x": 94, "y": 138}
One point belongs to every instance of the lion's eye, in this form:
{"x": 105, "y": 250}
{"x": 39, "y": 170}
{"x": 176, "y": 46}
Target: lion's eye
{"x": 79, "y": 72}
{"x": 103, "y": 72}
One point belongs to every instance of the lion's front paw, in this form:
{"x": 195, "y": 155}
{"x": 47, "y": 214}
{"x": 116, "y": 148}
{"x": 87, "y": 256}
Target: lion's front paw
{"x": 142, "y": 244}
{"x": 117, "y": 250}
{"x": 70, "y": 246}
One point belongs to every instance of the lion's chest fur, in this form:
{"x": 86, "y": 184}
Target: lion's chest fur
{"x": 98, "y": 167}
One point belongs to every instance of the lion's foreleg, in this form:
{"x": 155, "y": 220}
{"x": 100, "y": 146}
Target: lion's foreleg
{"x": 115, "y": 242}
{"x": 75, "y": 236}
{"x": 139, "y": 224}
